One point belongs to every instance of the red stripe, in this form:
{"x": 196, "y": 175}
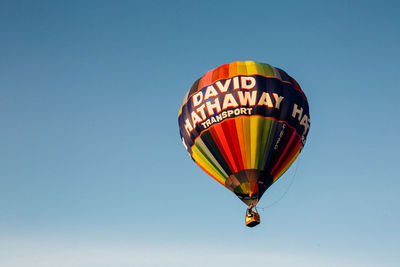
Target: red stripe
{"x": 223, "y": 145}
{"x": 294, "y": 148}
{"x": 284, "y": 151}
{"x": 230, "y": 131}
{"x": 222, "y": 72}
{"x": 239, "y": 117}
{"x": 205, "y": 80}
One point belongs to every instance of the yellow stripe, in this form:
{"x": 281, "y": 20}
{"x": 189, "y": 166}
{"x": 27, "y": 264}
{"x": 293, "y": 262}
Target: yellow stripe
{"x": 201, "y": 160}
{"x": 207, "y": 154}
{"x": 245, "y": 187}
{"x": 241, "y": 68}
{"x": 251, "y": 67}
{"x": 242, "y": 188}
{"x": 247, "y": 140}
{"x": 256, "y": 125}
{"x": 180, "y": 111}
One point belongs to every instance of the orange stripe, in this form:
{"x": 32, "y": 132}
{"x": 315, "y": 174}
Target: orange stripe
{"x": 233, "y": 71}
{"x": 239, "y": 128}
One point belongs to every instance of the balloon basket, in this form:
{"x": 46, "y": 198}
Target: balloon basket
{"x": 252, "y": 218}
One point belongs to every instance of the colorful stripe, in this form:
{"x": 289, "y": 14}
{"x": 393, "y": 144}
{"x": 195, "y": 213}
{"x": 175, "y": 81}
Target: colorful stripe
{"x": 237, "y": 68}
{"x": 247, "y": 151}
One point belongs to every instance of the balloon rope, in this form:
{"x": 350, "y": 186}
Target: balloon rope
{"x": 287, "y": 190}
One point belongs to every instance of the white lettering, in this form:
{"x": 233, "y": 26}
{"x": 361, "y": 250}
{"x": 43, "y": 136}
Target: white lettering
{"x": 210, "y": 92}
{"x": 278, "y": 100}
{"x": 235, "y": 83}
{"x": 265, "y": 100}
{"x": 246, "y": 99}
{"x": 202, "y": 112}
{"x": 305, "y": 121}
{"x": 188, "y": 126}
{"x": 245, "y": 82}
{"x": 197, "y": 99}
{"x": 211, "y": 107}
{"x": 223, "y": 88}
{"x": 229, "y": 101}
{"x": 195, "y": 119}
{"x": 297, "y": 111}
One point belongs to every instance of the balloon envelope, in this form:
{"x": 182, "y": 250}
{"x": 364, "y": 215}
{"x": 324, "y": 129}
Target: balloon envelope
{"x": 244, "y": 124}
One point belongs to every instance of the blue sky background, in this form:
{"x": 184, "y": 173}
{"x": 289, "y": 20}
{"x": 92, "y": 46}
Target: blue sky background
{"x": 93, "y": 172}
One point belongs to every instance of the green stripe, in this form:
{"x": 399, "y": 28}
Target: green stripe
{"x": 264, "y": 140}
{"x": 269, "y": 70}
{"x": 210, "y": 158}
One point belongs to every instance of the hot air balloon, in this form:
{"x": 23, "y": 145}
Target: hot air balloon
{"x": 244, "y": 124}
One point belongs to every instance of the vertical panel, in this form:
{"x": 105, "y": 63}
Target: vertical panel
{"x": 269, "y": 71}
{"x": 286, "y": 165}
{"x": 230, "y": 131}
{"x": 241, "y": 68}
{"x": 233, "y": 70}
{"x": 206, "y": 165}
{"x": 220, "y": 138}
{"x": 256, "y": 127}
{"x": 208, "y": 140}
{"x": 283, "y": 152}
{"x": 247, "y": 140}
{"x": 209, "y": 156}
{"x": 239, "y": 131}
{"x": 268, "y": 152}
{"x": 264, "y": 139}
{"x": 251, "y": 67}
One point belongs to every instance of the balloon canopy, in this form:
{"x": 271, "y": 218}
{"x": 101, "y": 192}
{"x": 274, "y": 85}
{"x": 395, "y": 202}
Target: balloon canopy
{"x": 244, "y": 124}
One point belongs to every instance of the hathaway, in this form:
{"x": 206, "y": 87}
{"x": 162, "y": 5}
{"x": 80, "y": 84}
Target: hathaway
{"x": 231, "y": 100}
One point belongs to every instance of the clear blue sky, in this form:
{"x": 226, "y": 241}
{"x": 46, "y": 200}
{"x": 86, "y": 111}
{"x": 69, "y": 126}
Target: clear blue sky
{"x": 93, "y": 172}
